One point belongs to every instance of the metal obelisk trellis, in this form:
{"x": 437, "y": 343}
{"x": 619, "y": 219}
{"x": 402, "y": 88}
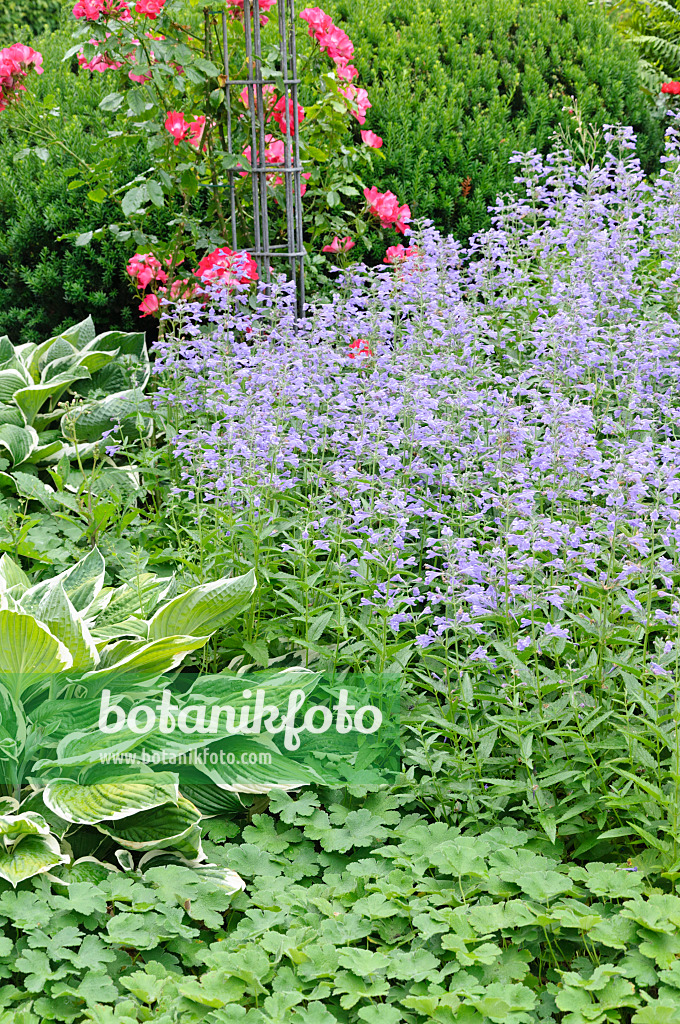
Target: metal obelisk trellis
{"x": 264, "y": 252}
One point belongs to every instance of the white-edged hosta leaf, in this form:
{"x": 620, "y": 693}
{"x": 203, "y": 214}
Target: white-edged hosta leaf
{"x": 203, "y": 609}
{"x": 272, "y": 770}
{"x": 158, "y": 828}
{"x": 11, "y": 414}
{"x": 108, "y": 801}
{"x": 11, "y": 381}
{"x": 12, "y": 575}
{"x": 81, "y": 583}
{"x": 127, "y": 628}
{"x": 227, "y": 687}
{"x": 63, "y": 716}
{"x": 12, "y": 723}
{"x": 19, "y": 442}
{"x": 29, "y": 653}
{"x": 95, "y": 360}
{"x": 129, "y": 344}
{"x": 88, "y": 421}
{"x": 33, "y": 855}
{"x": 142, "y": 666}
{"x": 45, "y": 451}
{"x": 58, "y": 614}
{"x": 222, "y": 878}
{"x": 29, "y": 823}
{"x": 30, "y": 399}
{"x": 137, "y": 598}
{"x": 7, "y": 354}
{"x": 90, "y": 747}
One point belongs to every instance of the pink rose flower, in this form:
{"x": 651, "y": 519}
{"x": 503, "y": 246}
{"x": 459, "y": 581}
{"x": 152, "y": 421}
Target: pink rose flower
{"x": 228, "y": 267}
{"x": 360, "y": 347}
{"x": 385, "y": 206}
{"x": 152, "y": 8}
{"x": 176, "y": 125}
{"x": 145, "y": 268}
{"x": 397, "y": 253}
{"x": 282, "y": 117}
{"x": 319, "y": 22}
{"x": 339, "y": 245}
{"x": 371, "y": 139}
{"x": 149, "y": 304}
{"x": 358, "y": 101}
{"x": 15, "y": 63}
{"x": 346, "y": 72}
{"x": 196, "y": 130}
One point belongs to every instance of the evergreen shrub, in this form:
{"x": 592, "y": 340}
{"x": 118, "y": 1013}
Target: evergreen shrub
{"x": 457, "y": 86}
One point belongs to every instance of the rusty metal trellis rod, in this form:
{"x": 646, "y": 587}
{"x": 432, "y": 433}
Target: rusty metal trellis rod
{"x": 293, "y": 249}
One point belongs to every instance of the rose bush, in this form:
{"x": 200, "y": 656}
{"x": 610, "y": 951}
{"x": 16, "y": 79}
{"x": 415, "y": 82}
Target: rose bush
{"x": 172, "y": 93}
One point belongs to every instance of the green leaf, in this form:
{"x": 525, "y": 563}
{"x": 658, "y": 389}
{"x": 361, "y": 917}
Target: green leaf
{"x": 164, "y": 826}
{"x": 139, "y": 664}
{"x": 112, "y": 102}
{"x": 189, "y": 183}
{"x": 134, "y": 200}
{"x": 11, "y": 381}
{"x": 203, "y": 609}
{"x": 107, "y": 801}
{"x": 81, "y": 584}
{"x": 155, "y": 193}
{"x": 31, "y": 855}
{"x": 18, "y": 441}
{"x": 12, "y": 575}
{"x": 29, "y": 653}
{"x": 58, "y": 614}
{"x": 31, "y": 399}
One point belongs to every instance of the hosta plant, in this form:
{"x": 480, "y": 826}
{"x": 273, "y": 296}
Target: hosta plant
{"x": 75, "y": 789}
{"x": 61, "y": 396}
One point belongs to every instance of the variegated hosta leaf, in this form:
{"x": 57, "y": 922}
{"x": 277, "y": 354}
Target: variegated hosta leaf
{"x": 160, "y": 828}
{"x": 13, "y": 826}
{"x": 133, "y": 600}
{"x": 108, "y": 801}
{"x": 270, "y": 770}
{"x": 31, "y": 855}
{"x": 203, "y": 609}
{"x": 85, "y": 869}
{"x": 88, "y": 421}
{"x": 93, "y": 747}
{"x": 12, "y": 575}
{"x": 66, "y": 716}
{"x": 222, "y": 878}
{"x": 227, "y": 687}
{"x": 12, "y": 726}
{"x": 18, "y": 442}
{"x": 11, "y": 381}
{"x": 81, "y": 583}
{"x": 143, "y": 665}
{"x": 58, "y": 614}
{"x": 29, "y": 653}
{"x": 30, "y": 399}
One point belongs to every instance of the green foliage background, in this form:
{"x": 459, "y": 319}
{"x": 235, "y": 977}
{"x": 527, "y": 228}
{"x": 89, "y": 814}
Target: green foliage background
{"x": 457, "y": 86}
{"x": 25, "y": 20}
